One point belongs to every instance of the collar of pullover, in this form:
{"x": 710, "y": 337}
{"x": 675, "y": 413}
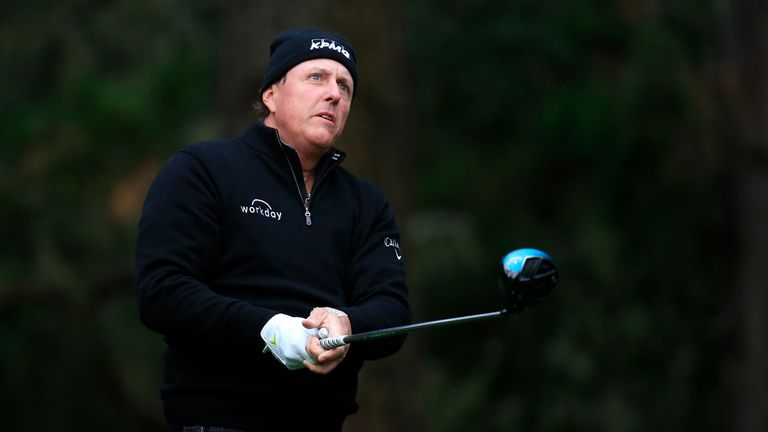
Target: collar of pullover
{"x": 265, "y": 139}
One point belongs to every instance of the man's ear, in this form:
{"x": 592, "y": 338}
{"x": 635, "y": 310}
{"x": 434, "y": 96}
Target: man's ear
{"x": 268, "y": 97}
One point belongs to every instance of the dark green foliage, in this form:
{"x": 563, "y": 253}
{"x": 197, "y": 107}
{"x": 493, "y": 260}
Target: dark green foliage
{"x": 588, "y": 129}
{"x": 95, "y": 96}
{"x": 584, "y": 130}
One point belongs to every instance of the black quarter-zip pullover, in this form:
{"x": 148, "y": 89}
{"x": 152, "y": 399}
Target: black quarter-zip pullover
{"x": 224, "y": 244}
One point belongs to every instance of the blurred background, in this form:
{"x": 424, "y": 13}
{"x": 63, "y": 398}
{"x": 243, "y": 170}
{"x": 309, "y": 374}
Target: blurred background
{"x": 628, "y": 138}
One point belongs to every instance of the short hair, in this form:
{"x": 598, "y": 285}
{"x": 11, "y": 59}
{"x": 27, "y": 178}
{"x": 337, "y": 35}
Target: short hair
{"x": 258, "y": 108}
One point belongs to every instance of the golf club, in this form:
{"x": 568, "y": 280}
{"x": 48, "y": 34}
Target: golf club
{"x": 526, "y": 276}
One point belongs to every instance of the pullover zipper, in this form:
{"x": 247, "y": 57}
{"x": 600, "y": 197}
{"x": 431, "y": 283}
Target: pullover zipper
{"x": 307, "y": 214}
{"x": 306, "y": 201}
{"x": 318, "y": 180}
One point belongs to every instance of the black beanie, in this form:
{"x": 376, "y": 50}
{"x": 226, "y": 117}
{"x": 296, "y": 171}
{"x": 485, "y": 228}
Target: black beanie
{"x": 292, "y": 47}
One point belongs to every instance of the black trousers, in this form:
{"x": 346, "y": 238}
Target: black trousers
{"x": 322, "y": 425}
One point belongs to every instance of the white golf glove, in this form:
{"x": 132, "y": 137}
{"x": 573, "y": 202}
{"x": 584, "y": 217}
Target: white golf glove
{"x": 287, "y": 339}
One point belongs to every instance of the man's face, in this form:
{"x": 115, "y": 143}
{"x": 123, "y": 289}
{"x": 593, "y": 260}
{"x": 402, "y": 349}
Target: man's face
{"x": 310, "y": 106}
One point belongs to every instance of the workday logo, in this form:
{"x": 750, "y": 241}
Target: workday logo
{"x": 262, "y": 208}
{"x": 328, "y": 44}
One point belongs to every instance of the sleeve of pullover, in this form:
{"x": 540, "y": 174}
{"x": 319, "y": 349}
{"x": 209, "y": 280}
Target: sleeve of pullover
{"x": 379, "y": 295}
{"x": 176, "y": 251}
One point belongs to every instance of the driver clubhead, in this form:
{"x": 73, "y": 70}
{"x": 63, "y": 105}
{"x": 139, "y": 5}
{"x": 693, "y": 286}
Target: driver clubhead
{"x": 527, "y": 275}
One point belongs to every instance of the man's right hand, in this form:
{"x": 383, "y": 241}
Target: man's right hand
{"x": 337, "y": 325}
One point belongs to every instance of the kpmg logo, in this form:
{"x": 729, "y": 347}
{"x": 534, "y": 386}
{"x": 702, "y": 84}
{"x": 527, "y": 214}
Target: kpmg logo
{"x": 328, "y": 44}
{"x": 261, "y": 207}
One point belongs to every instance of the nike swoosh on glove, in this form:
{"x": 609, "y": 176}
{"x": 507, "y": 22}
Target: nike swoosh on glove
{"x": 286, "y": 338}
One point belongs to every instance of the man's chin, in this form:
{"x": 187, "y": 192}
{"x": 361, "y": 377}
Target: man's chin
{"x": 323, "y": 141}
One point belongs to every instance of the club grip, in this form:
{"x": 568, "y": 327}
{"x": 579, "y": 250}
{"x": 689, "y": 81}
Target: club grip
{"x": 331, "y": 343}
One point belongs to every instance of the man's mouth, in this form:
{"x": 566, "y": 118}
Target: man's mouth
{"x": 328, "y": 116}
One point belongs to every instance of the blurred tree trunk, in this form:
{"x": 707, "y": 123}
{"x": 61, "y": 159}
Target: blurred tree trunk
{"x": 374, "y": 138}
{"x": 747, "y": 93}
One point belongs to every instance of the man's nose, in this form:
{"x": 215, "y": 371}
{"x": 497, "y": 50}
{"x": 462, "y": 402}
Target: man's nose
{"x": 334, "y": 92}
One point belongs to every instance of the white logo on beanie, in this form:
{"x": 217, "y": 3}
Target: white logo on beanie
{"x": 329, "y": 44}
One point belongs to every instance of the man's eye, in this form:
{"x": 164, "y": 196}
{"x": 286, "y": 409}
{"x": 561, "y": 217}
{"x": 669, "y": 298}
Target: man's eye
{"x": 343, "y": 87}
{"x": 315, "y": 77}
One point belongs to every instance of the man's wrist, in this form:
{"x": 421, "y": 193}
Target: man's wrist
{"x": 335, "y": 312}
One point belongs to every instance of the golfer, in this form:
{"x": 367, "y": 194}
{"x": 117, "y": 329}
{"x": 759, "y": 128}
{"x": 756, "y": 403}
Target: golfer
{"x": 248, "y": 246}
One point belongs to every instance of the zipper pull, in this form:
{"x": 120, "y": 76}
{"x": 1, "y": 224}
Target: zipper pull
{"x": 307, "y": 214}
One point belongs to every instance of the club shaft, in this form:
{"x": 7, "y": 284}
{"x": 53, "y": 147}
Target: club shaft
{"x": 334, "y": 342}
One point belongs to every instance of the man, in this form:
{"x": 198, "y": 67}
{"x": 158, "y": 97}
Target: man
{"x": 253, "y": 244}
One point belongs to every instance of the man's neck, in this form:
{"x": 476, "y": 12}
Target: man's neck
{"x": 308, "y": 168}
{"x": 308, "y": 162}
